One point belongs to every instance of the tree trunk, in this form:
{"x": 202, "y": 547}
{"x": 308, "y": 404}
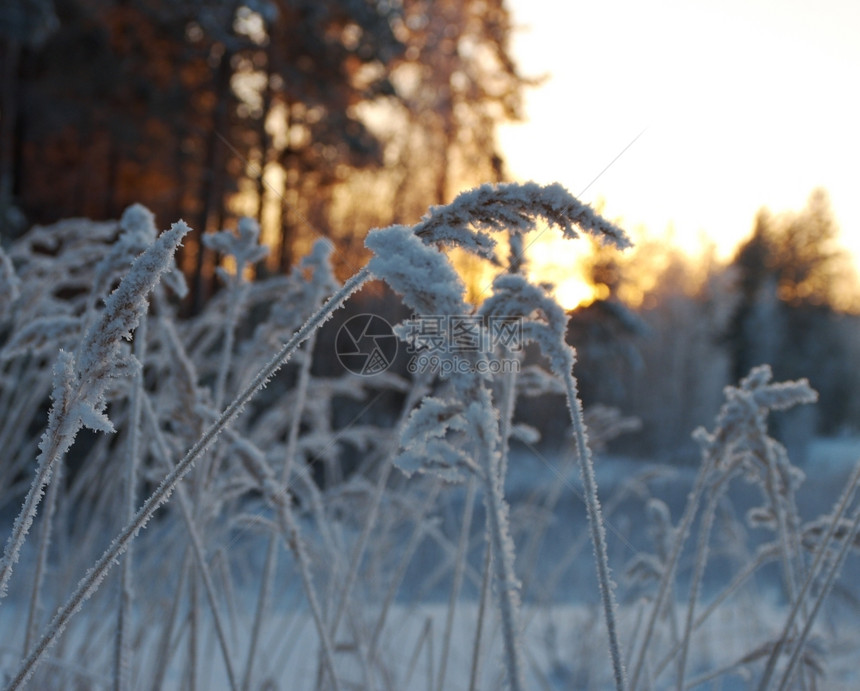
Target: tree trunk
{"x": 213, "y": 175}
{"x": 8, "y": 118}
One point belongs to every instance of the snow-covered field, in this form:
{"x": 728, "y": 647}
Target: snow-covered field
{"x": 207, "y": 510}
{"x": 563, "y": 633}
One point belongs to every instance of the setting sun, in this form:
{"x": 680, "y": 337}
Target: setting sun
{"x": 574, "y": 292}
{"x": 560, "y": 262}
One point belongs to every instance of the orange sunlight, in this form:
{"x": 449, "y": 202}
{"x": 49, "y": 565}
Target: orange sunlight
{"x": 556, "y": 260}
{"x": 572, "y": 293}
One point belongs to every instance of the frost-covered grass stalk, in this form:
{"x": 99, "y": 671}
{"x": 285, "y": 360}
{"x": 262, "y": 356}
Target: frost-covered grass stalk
{"x": 245, "y": 251}
{"x": 343, "y": 508}
{"x": 91, "y": 582}
{"x": 832, "y": 524}
{"x": 79, "y": 384}
{"x": 598, "y": 532}
{"x": 515, "y": 297}
{"x": 264, "y": 475}
{"x": 270, "y": 566}
{"x": 414, "y": 270}
{"x": 429, "y": 284}
{"x": 122, "y": 665}
{"x": 739, "y": 443}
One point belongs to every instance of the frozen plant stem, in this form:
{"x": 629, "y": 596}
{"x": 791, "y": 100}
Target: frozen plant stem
{"x": 479, "y": 630}
{"x": 418, "y": 533}
{"x": 598, "y": 532}
{"x": 269, "y": 570}
{"x": 42, "y": 558}
{"x": 370, "y": 521}
{"x": 777, "y": 501}
{"x": 292, "y": 536}
{"x": 91, "y": 581}
{"x": 835, "y": 567}
{"x": 165, "y": 647}
{"x": 454, "y": 594}
{"x": 198, "y": 551}
{"x": 237, "y": 295}
{"x": 193, "y": 631}
{"x": 498, "y": 528}
{"x": 280, "y": 499}
{"x": 823, "y": 548}
{"x": 121, "y": 652}
{"x": 51, "y": 454}
{"x": 739, "y": 579}
{"x": 698, "y": 571}
{"x": 681, "y": 534}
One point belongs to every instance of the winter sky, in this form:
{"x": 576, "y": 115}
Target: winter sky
{"x": 743, "y": 103}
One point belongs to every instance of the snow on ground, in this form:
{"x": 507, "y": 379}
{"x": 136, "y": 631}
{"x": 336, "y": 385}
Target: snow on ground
{"x": 564, "y": 637}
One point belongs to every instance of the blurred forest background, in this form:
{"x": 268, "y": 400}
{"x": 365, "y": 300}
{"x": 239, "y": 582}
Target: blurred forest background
{"x": 322, "y": 118}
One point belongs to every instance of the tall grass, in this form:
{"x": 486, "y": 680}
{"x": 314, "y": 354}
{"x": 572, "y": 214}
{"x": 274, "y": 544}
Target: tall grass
{"x": 199, "y": 442}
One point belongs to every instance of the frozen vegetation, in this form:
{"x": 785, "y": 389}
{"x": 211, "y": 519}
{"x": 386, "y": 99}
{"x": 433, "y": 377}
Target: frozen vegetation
{"x": 194, "y": 503}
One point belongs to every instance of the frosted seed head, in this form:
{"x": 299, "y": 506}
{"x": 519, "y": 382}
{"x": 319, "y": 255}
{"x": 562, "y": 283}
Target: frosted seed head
{"x": 658, "y": 512}
{"x": 525, "y": 433}
{"x": 605, "y": 423}
{"x": 249, "y": 230}
{"x": 138, "y": 222}
{"x": 418, "y": 272}
{"x": 534, "y": 381}
{"x": 62, "y": 394}
{"x": 242, "y": 246}
{"x": 516, "y": 208}
{"x": 644, "y": 568}
{"x": 762, "y": 517}
{"x": 431, "y": 440}
{"x": 126, "y": 305}
{"x": 740, "y": 436}
{"x": 543, "y": 320}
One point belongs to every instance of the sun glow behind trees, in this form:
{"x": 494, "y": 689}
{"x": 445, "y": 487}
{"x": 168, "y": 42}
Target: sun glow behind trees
{"x": 576, "y": 279}
{"x": 557, "y": 261}
{"x": 812, "y": 266}
{"x": 745, "y": 104}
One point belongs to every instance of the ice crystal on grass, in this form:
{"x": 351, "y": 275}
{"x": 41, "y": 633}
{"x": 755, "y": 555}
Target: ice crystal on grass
{"x": 741, "y": 428}
{"x": 543, "y": 320}
{"x": 80, "y": 382}
{"x": 515, "y": 208}
{"x": 421, "y": 274}
{"x": 125, "y": 306}
{"x": 137, "y": 233}
{"x": 244, "y": 245}
{"x": 427, "y": 441}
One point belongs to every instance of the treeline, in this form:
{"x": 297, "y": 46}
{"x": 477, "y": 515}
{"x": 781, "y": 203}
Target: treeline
{"x": 317, "y": 117}
{"x": 789, "y": 298}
